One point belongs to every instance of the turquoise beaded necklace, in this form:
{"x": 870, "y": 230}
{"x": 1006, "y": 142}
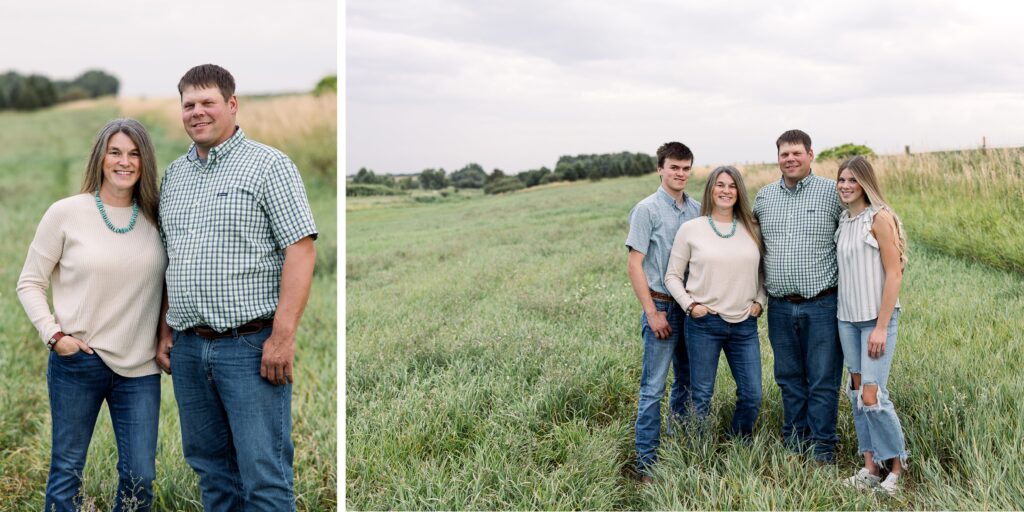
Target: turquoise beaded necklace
{"x": 103, "y": 213}
{"x": 715, "y": 228}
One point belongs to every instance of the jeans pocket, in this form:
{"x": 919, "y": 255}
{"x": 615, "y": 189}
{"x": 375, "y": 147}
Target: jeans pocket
{"x": 702, "y": 319}
{"x": 255, "y": 340}
{"x": 68, "y": 357}
{"x": 698, "y": 325}
{"x": 252, "y": 343}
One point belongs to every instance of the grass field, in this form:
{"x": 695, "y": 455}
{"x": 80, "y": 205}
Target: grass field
{"x": 42, "y": 158}
{"x": 493, "y": 357}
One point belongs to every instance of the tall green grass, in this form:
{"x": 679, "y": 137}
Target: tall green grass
{"x": 966, "y": 204}
{"x": 42, "y": 158}
{"x": 493, "y": 361}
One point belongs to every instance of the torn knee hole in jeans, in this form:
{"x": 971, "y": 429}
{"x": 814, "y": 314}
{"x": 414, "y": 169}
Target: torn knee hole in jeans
{"x": 875, "y": 407}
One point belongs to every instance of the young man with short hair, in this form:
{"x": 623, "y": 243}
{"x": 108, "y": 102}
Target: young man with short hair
{"x": 799, "y": 215}
{"x": 653, "y": 223}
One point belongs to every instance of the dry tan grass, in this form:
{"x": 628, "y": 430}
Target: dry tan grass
{"x": 107, "y": 101}
{"x": 756, "y": 176}
{"x": 992, "y": 173}
{"x": 275, "y": 121}
{"x": 995, "y": 171}
{"x": 166, "y": 110}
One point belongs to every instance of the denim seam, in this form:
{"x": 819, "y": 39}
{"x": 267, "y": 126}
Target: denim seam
{"x": 125, "y": 465}
{"x": 283, "y": 472}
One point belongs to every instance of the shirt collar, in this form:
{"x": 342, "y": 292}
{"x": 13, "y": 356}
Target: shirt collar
{"x": 219, "y": 150}
{"x": 799, "y": 185}
{"x": 666, "y": 197}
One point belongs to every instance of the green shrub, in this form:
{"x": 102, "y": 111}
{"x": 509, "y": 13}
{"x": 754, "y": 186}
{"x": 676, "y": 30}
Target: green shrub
{"x": 328, "y": 84}
{"x": 845, "y": 151}
{"x": 73, "y": 93}
{"x": 362, "y": 190}
{"x": 504, "y": 184}
{"x": 470, "y": 176}
{"x": 442, "y": 196}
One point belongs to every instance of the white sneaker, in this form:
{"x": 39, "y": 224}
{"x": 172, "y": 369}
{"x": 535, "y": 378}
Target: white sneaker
{"x": 862, "y": 480}
{"x": 891, "y": 484}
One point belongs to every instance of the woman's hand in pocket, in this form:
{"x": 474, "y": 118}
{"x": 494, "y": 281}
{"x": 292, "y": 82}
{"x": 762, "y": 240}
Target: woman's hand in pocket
{"x": 68, "y": 345}
{"x": 700, "y": 311}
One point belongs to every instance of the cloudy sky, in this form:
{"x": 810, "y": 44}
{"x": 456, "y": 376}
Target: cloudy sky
{"x": 514, "y": 85}
{"x": 268, "y": 45}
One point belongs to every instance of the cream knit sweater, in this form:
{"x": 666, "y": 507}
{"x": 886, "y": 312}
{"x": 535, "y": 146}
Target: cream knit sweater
{"x": 107, "y": 286}
{"x": 724, "y": 272}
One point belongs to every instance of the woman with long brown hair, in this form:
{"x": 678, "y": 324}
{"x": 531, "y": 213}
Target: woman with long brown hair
{"x": 871, "y": 254}
{"x": 101, "y": 252}
{"x": 722, "y": 296}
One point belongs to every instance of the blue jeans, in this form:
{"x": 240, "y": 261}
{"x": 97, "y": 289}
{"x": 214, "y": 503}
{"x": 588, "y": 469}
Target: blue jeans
{"x": 706, "y": 338}
{"x": 658, "y": 354}
{"x": 808, "y": 370}
{"x": 235, "y": 425}
{"x": 878, "y": 427}
{"x": 78, "y": 385}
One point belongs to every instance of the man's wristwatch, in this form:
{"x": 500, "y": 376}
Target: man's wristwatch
{"x": 54, "y": 339}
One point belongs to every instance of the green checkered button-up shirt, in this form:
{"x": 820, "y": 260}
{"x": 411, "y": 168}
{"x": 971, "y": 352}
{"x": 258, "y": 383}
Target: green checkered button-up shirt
{"x": 225, "y": 224}
{"x": 798, "y": 227}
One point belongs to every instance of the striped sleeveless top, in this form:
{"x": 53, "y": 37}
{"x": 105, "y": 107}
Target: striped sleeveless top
{"x": 861, "y": 276}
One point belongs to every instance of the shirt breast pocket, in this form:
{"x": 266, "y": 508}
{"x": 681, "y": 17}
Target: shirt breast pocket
{"x": 232, "y": 210}
{"x": 820, "y": 223}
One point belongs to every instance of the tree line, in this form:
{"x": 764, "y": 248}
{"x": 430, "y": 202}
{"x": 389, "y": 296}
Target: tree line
{"x": 19, "y": 92}
{"x": 568, "y": 168}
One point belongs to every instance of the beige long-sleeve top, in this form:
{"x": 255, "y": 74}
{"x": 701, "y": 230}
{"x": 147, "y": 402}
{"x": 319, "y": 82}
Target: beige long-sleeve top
{"x": 724, "y": 272}
{"x": 107, "y": 286}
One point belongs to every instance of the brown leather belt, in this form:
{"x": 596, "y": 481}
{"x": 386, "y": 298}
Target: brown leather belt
{"x": 252, "y": 327}
{"x": 797, "y": 299}
{"x": 661, "y": 296}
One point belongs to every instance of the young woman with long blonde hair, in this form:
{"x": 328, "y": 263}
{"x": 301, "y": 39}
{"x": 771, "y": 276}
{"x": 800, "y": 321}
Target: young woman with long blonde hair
{"x": 871, "y": 254}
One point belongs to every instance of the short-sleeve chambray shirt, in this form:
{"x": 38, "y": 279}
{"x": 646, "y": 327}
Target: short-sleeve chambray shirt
{"x": 225, "y": 224}
{"x": 798, "y": 227}
{"x": 653, "y": 223}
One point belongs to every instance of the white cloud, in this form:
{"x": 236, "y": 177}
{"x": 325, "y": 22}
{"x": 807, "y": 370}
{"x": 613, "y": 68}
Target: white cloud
{"x": 269, "y": 46}
{"x": 516, "y": 84}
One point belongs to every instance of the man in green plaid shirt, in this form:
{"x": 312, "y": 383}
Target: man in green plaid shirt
{"x": 239, "y": 234}
{"x": 799, "y": 215}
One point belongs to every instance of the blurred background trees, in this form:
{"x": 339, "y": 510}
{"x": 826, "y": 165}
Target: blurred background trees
{"x": 473, "y": 176}
{"x": 20, "y": 92}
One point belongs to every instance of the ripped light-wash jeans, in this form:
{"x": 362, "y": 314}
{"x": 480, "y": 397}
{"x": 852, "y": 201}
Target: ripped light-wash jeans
{"x": 878, "y": 428}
